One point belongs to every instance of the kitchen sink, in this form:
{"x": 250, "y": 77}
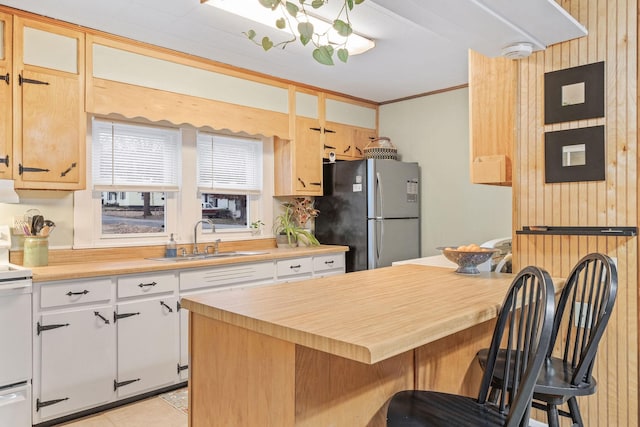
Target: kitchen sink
{"x": 208, "y": 256}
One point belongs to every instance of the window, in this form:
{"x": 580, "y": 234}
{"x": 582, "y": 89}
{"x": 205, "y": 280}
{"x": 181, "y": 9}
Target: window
{"x": 143, "y": 160}
{"x": 229, "y": 174}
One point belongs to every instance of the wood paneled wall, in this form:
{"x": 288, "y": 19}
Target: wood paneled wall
{"x": 613, "y": 38}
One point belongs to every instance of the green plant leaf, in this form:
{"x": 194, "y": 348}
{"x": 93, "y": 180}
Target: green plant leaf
{"x": 251, "y": 34}
{"x": 306, "y": 32}
{"x": 350, "y": 4}
{"x": 343, "y": 28}
{"x": 281, "y": 24}
{"x": 316, "y": 4}
{"x": 323, "y": 55}
{"x": 343, "y": 55}
{"x": 293, "y": 9}
{"x": 266, "y": 43}
{"x": 359, "y": 1}
{"x": 271, "y": 4}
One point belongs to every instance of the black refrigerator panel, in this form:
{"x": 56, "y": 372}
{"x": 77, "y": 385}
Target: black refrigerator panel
{"x": 343, "y": 211}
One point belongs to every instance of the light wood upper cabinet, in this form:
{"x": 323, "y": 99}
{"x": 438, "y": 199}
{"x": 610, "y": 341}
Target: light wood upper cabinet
{"x": 49, "y": 125}
{"x": 493, "y": 85}
{"x": 6, "y": 98}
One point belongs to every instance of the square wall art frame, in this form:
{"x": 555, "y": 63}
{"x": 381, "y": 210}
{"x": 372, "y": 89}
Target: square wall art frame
{"x": 574, "y": 155}
{"x": 575, "y": 93}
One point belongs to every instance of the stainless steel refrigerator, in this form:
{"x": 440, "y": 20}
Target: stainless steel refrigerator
{"x": 372, "y": 206}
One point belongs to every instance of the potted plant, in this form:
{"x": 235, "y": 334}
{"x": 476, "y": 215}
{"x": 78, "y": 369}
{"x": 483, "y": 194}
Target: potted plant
{"x": 256, "y": 227}
{"x": 287, "y": 226}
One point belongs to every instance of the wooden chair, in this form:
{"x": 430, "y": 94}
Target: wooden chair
{"x": 581, "y": 318}
{"x": 524, "y": 326}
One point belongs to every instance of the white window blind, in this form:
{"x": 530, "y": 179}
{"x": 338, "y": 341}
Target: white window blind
{"x": 135, "y": 156}
{"x": 227, "y": 163}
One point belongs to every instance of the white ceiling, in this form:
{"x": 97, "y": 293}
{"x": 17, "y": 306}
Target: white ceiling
{"x": 421, "y": 45}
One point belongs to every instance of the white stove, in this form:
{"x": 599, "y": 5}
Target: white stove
{"x": 15, "y": 336}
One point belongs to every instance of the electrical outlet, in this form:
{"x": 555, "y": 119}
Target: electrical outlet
{"x": 582, "y": 314}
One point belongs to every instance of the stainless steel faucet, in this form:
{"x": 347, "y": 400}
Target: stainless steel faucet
{"x": 195, "y": 233}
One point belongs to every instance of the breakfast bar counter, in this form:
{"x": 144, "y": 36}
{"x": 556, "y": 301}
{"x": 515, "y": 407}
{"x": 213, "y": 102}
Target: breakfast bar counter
{"x": 331, "y": 351}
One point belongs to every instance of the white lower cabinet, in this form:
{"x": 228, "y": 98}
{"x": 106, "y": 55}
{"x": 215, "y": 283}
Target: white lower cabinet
{"x": 77, "y": 361}
{"x": 147, "y": 345}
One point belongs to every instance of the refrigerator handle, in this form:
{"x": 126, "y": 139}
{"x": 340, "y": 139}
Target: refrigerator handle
{"x": 380, "y": 238}
{"x": 380, "y": 198}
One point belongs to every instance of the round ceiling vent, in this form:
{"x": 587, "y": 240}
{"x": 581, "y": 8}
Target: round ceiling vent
{"x": 517, "y": 50}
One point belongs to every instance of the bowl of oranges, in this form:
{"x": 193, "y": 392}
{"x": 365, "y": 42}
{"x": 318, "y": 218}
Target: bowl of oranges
{"x": 468, "y": 257}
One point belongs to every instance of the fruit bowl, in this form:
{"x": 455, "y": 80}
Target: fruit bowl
{"x": 468, "y": 258}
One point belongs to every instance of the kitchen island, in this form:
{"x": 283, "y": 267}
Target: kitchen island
{"x": 332, "y": 351}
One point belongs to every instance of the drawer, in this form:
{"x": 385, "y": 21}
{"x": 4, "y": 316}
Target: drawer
{"x": 328, "y": 262}
{"x": 226, "y": 275}
{"x": 291, "y": 267}
{"x": 147, "y": 284}
{"x": 74, "y": 292}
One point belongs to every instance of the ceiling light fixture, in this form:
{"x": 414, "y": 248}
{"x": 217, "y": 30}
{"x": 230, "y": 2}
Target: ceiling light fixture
{"x": 254, "y": 11}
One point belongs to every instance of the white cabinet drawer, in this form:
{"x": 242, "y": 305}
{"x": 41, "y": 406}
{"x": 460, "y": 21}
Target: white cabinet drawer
{"x": 292, "y": 267}
{"x": 74, "y": 292}
{"x": 226, "y": 275}
{"x": 328, "y": 262}
{"x": 148, "y": 284}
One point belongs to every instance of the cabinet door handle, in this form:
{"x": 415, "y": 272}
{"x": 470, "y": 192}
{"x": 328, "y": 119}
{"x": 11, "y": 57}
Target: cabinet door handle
{"x": 42, "y": 328}
{"x": 77, "y": 293}
{"x": 165, "y": 305}
{"x": 359, "y": 150}
{"x": 104, "y": 319}
{"x": 302, "y": 182}
{"x": 346, "y": 150}
{"x": 5, "y": 78}
{"x": 22, "y": 169}
{"x": 329, "y": 147}
{"x": 5, "y": 160}
{"x": 117, "y": 316}
{"x": 63, "y": 174}
{"x": 22, "y": 80}
{"x": 142, "y": 285}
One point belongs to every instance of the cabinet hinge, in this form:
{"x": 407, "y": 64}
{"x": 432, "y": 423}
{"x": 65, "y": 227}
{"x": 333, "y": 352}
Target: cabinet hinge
{"x": 117, "y": 316}
{"x": 178, "y": 306}
{"x": 42, "y": 328}
{"x": 329, "y": 147}
{"x": 325, "y": 130}
{"x": 316, "y": 129}
{"x": 117, "y": 384}
{"x": 5, "y": 160}
{"x": 22, "y": 80}
{"x": 5, "y": 78}
{"x": 182, "y": 368}
{"x": 40, "y": 404}
{"x": 22, "y": 169}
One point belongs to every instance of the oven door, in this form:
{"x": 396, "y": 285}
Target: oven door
{"x": 15, "y": 406}
{"x": 15, "y": 332}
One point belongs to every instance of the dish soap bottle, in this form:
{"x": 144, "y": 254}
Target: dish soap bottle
{"x": 171, "y": 251}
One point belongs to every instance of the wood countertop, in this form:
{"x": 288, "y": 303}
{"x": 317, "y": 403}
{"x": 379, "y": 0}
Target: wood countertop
{"x": 367, "y": 316}
{"x": 79, "y": 270}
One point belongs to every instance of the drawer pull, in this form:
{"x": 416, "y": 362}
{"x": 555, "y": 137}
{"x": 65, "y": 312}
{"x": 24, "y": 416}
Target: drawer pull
{"x": 329, "y": 262}
{"x": 182, "y": 368}
{"x": 104, "y": 319}
{"x": 117, "y": 384}
{"x": 165, "y": 305}
{"x": 42, "y": 328}
{"x": 77, "y": 293}
{"x": 40, "y": 404}
{"x": 117, "y": 316}
{"x": 142, "y": 285}
{"x": 295, "y": 267}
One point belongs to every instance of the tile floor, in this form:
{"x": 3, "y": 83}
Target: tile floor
{"x": 155, "y": 411}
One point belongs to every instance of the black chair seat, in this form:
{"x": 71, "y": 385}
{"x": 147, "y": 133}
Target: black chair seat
{"x": 554, "y": 384}
{"x": 417, "y": 408}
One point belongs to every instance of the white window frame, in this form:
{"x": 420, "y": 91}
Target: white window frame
{"x": 182, "y": 209}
